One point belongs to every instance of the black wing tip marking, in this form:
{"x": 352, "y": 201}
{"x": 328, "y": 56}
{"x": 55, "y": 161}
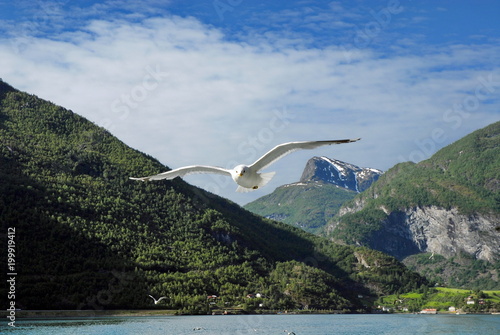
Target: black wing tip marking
{"x": 348, "y": 140}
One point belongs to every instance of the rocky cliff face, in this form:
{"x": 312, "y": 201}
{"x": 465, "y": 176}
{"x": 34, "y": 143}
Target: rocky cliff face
{"x": 438, "y": 230}
{"x": 339, "y": 173}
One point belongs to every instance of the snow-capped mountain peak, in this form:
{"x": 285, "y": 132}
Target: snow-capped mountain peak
{"x": 339, "y": 173}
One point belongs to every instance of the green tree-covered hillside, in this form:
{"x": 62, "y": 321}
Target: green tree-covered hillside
{"x": 87, "y": 237}
{"x": 454, "y": 195}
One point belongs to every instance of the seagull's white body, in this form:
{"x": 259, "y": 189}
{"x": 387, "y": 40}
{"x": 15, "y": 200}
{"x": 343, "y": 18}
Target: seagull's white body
{"x": 247, "y": 177}
{"x": 159, "y": 299}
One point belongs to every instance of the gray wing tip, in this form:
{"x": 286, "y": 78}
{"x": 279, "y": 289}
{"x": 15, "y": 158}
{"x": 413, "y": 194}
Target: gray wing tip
{"x": 141, "y": 179}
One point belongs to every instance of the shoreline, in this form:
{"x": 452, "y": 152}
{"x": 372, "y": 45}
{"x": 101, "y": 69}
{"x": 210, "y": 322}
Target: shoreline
{"x": 49, "y": 314}
{"x": 61, "y": 314}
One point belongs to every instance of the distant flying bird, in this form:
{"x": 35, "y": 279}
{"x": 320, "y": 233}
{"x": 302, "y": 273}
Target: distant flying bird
{"x": 248, "y": 177}
{"x": 157, "y": 301}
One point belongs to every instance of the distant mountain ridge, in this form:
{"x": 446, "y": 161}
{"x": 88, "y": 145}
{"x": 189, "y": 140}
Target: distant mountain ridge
{"x": 440, "y": 216}
{"x": 333, "y": 171}
{"x": 310, "y": 204}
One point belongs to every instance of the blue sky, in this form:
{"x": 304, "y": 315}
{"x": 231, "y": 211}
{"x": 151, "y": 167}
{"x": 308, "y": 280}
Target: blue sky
{"x": 220, "y": 82}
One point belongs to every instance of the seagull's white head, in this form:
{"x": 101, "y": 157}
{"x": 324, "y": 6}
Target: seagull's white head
{"x": 239, "y": 171}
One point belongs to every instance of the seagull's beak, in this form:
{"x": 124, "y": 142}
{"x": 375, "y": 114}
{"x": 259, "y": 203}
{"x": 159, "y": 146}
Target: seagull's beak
{"x": 241, "y": 174}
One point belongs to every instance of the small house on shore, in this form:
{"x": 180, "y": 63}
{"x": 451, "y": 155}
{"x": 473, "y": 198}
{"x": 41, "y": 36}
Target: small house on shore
{"x": 428, "y": 311}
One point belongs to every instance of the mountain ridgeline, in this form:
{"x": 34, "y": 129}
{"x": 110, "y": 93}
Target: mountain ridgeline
{"x": 87, "y": 237}
{"x": 441, "y": 216}
{"x": 312, "y": 202}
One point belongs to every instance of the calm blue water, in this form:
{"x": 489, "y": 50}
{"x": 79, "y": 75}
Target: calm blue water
{"x": 263, "y": 324}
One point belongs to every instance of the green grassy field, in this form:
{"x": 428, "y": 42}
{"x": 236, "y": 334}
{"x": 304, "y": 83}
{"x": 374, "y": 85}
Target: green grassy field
{"x": 441, "y": 298}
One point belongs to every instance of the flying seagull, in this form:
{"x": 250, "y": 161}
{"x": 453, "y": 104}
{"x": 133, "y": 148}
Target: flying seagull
{"x": 157, "y": 301}
{"x": 248, "y": 177}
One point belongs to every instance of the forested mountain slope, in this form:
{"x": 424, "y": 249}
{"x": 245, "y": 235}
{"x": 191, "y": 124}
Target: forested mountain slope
{"x": 87, "y": 237}
{"x": 306, "y": 205}
{"x": 447, "y": 206}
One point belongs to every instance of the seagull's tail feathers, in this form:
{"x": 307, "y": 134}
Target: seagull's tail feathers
{"x": 266, "y": 178}
{"x": 242, "y": 189}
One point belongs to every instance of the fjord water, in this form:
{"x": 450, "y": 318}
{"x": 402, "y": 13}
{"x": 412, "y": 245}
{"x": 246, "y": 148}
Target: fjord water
{"x": 262, "y": 324}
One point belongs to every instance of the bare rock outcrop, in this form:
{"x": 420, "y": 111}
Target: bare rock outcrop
{"x": 438, "y": 230}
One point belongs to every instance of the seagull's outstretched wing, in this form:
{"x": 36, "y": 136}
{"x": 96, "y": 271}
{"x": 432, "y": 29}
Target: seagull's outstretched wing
{"x": 284, "y": 149}
{"x": 183, "y": 171}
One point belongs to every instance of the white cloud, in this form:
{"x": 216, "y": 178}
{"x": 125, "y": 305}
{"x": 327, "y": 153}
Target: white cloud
{"x": 180, "y": 91}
